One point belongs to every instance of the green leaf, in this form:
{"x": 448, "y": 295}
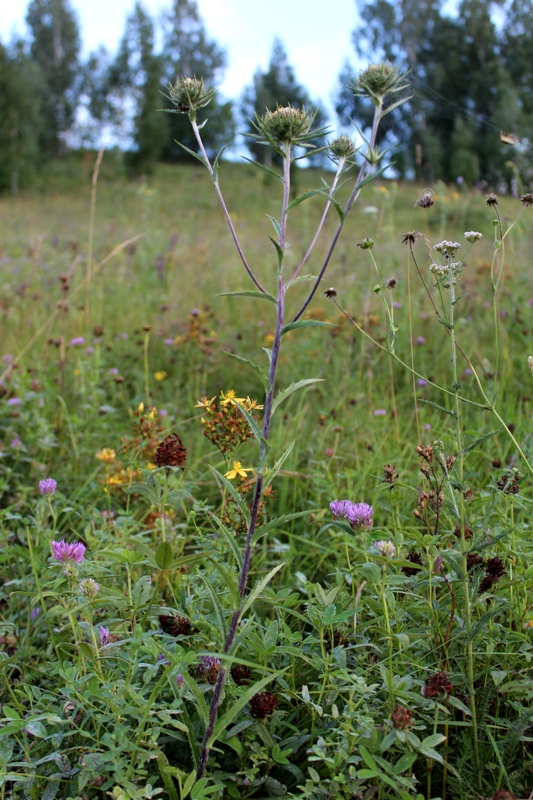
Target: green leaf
{"x": 228, "y": 578}
{"x": 250, "y": 293}
{"x": 229, "y": 536}
{"x": 368, "y": 759}
{"x": 201, "y": 159}
{"x": 271, "y": 634}
{"x": 164, "y": 556}
{"x": 276, "y": 175}
{"x": 237, "y": 706}
{"x": 436, "y": 406}
{"x": 245, "y": 511}
{"x": 142, "y": 591}
{"x": 279, "y": 251}
{"x": 329, "y": 615}
{"x": 293, "y": 388}
{"x": 306, "y": 323}
{"x": 253, "y": 425}
{"x": 480, "y": 441}
{"x": 263, "y": 377}
{"x": 216, "y": 604}
{"x": 216, "y": 165}
{"x": 256, "y": 591}
{"x": 275, "y": 223}
{"x": 278, "y": 522}
{"x": 277, "y": 466}
{"x": 303, "y": 197}
{"x": 395, "y": 105}
{"x": 337, "y": 206}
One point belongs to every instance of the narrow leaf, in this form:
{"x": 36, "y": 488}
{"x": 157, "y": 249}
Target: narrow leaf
{"x": 306, "y": 323}
{"x": 437, "y": 407}
{"x": 294, "y": 387}
{"x": 275, "y": 223}
{"x": 303, "y": 197}
{"x": 237, "y": 707}
{"x": 256, "y": 591}
{"x": 250, "y": 293}
{"x": 279, "y": 251}
{"x": 263, "y": 377}
{"x": 201, "y": 159}
{"x": 265, "y": 169}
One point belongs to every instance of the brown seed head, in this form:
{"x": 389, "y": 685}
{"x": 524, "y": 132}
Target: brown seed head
{"x": 527, "y": 199}
{"x": 171, "y": 452}
{"x": 240, "y": 674}
{"x": 414, "y": 558}
{"x": 492, "y": 199}
{"x": 401, "y": 718}
{"x": 495, "y": 568}
{"x": 175, "y": 625}
{"x": 390, "y": 474}
{"x": 263, "y": 704}
{"x": 426, "y": 201}
{"x": 436, "y": 684}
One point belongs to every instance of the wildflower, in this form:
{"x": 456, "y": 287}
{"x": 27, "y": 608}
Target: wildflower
{"x": 89, "y": 351}
{"x": 380, "y": 412}
{"x": 493, "y": 572}
{"x": 162, "y": 413}
{"x": 379, "y": 80}
{"x": 401, "y": 718}
{"x": 114, "y": 370}
{"x": 229, "y": 398}
{"x": 527, "y": 199}
{"x": 204, "y": 402}
{"x": 175, "y": 625}
{"x": 34, "y": 613}
{"x": 179, "y": 680}
{"x": 422, "y": 382}
{"x": 410, "y": 237}
{"x": 414, "y": 558}
{"x": 160, "y": 376}
{"x": 492, "y": 199}
{"x": 330, "y": 293}
{"x": 89, "y": 588}
{"x": 385, "y": 548}
{"x": 171, "y": 452}
{"x": 473, "y": 236}
{"x": 104, "y": 635}
{"x": 366, "y": 244}
{"x": 263, "y": 704}
{"x": 251, "y": 405}
{"x": 286, "y": 124}
{"x": 98, "y": 331}
{"x": 420, "y": 340}
{"x": 190, "y": 94}
{"x": 436, "y": 684}
{"x": 168, "y": 341}
{"x": 240, "y": 674}
{"x": 16, "y": 444}
{"x": 427, "y": 200}
{"x": 106, "y": 454}
{"x": 390, "y": 474}
{"x": 359, "y": 515}
{"x": 208, "y": 668}
{"x": 447, "y": 248}
{"x": 78, "y": 341}
{"x": 47, "y": 487}
{"x": 342, "y": 147}
{"x": 63, "y": 551}
{"x": 238, "y": 469}
{"x": 13, "y": 402}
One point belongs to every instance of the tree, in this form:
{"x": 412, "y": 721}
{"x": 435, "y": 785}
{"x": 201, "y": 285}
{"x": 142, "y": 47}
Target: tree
{"x": 55, "y": 46}
{"x": 277, "y": 86}
{"x": 20, "y": 117}
{"x": 137, "y": 72}
{"x": 189, "y": 52}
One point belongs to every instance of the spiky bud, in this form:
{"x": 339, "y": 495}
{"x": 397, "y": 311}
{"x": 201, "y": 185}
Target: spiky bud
{"x": 286, "y": 125}
{"x": 190, "y": 94}
{"x": 342, "y": 147}
{"x": 379, "y": 80}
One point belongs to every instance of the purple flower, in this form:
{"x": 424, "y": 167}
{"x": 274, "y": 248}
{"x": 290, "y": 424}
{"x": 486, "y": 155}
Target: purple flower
{"x": 47, "y": 487}
{"x": 422, "y": 382}
{"x": 396, "y": 304}
{"x": 104, "y": 636}
{"x": 14, "y": 402}
{"x": 437, "y": 565}
{"x": 380, "y": 412}
{"x": 124, "y": 335}
{"x": 180, "y": 681}
{"x": 468, "y": 371}
{"x": 359, "y": 515}
{"x": 163, "y": 412}
{"x": 34, "y": 613}
{"x": 78, "y": 341}
{"x": 420, "y": 340}
{"x": 89, "y": 351}
{"x": 168, "y": 341}
{"x": 8, "y": 358}
{"x": 16, "y": 443}
{"x": 63, "y": 551}
{"x": 427, "y": 426}
{"x": 114, "y": 371}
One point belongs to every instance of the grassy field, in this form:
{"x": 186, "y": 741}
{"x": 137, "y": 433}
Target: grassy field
{"x": 385, "y": 679}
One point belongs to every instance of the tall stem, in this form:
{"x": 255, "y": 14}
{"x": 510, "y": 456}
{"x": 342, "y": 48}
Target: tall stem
{"x": 274, "y": 355}
{"x": 461, "y": 510}
{"x": 91, "y": 234}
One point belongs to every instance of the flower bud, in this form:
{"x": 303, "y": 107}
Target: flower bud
{"x": 342, "y": 147}
{"x": 286, "y": 124}
{"x": 379, "y": 80}
{"x": 190, "y": 94}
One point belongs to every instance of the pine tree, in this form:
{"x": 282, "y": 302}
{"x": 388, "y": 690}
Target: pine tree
{"x": 55, "y": 45}
{"x": 188, "y": 51}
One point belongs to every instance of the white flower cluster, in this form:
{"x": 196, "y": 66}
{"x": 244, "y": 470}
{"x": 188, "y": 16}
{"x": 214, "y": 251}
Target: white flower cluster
{"x": 473, "y": 236}
{"x": 448, "y": 249}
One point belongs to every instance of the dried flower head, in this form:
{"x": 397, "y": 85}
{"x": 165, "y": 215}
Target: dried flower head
{"x": 391, "y": 283}
{"x": 492, "y": 199}
{"x": 410, "y": 237}
{"x": 342, "y": 147}
{"x": 473, "y": 560}
{"x": 494, "y": 570}
{"x": 336, "y": 639}
{"x": 263, "y": 704}
{"x": 331, "y": 292}
{"x": 175, "y": 625}
{"x": 286, "y": 124}
{"x": 208, "y": 668}
{"x": 527, "y": 199}
{"x": 390, "y": 474}
{"x": 63, "y": 551}
{"x": 240, "y": 674}
{"x": 401, "y": 718}
{"x": 473, "y": 236}
{"x": 171, "y": 452}
{"x": 436, "y": 684}
{"x": 414, "y": 558}
{"x": 47, "y": 487}
{"x": 427, "y": 200}
{"x": 190, "y": 94}
{"x": 509, "y": 483}
{"x": 379, "y": 80}
{"x": 503, "y": 794}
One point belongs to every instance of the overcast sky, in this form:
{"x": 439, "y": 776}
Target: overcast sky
{"x": 316, "y": 34}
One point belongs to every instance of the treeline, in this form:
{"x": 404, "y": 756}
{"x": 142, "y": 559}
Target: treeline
{"x": 470, "y": 74}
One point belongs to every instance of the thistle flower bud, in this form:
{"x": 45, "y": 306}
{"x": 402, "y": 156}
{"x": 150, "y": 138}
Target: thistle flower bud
{"x": 190, "y": 94}
{"x": 379, "y": 80}
{"x": 286, "y": 124}
{"x": 342, "y": 147}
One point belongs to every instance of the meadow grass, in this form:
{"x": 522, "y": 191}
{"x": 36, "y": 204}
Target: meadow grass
{"x": 110, "y": 715}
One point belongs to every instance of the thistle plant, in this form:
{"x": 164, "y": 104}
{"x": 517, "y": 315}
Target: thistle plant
{"x": 287, "y": 131}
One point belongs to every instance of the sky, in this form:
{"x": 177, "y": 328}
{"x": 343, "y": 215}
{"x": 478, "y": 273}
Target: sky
{"x": 315, "y": 33}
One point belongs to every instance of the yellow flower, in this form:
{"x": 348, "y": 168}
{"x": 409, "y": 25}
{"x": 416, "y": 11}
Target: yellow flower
{"x": 229, "y": 398}
{"x": 250, "y": 404}
{"x": 106, "y": 454}
{"x": 150, "y": 465}
{"x": 203, "y": 402}
{"x": 141, "y": 408}
{"x": 160, "y": 376}
{"x": 153, "y": 413}
{"x": 77, "y": 372}
{"x": 238, "y": 469}
{"x": 268, "y": 340}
